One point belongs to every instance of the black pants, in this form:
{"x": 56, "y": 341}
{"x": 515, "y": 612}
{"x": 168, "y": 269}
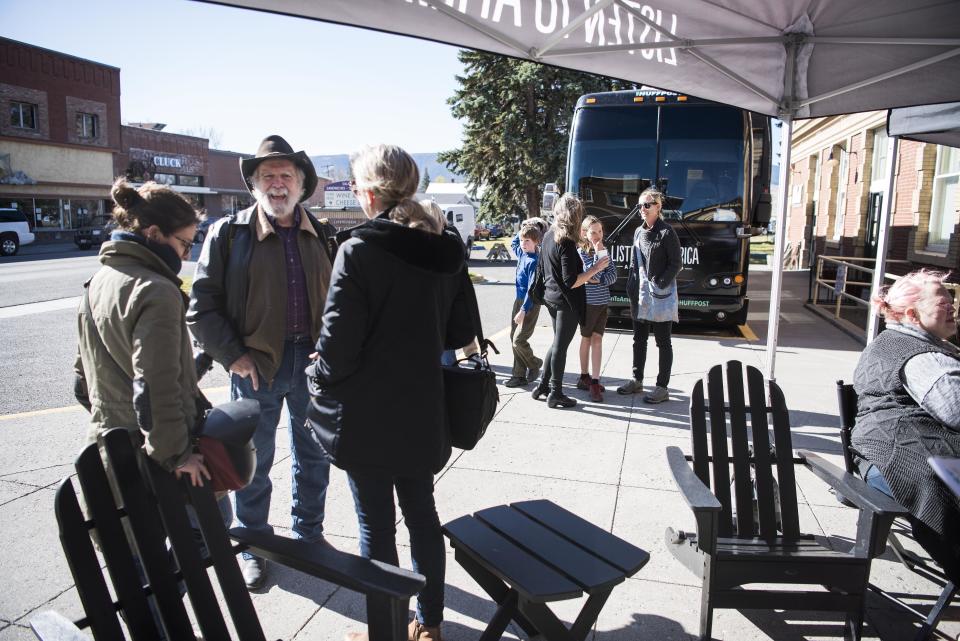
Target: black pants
{"x": 641, "y": 334}
{"x": 565, "y": 323}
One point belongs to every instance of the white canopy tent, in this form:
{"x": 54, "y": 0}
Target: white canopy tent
{"x": 790, "y": 58}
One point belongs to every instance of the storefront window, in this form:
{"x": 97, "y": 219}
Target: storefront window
{"x": 46, "y": 214}
{"x": 190, "y": 181}
{"x": 165, "y": 179}
{"x": 195, "y": 200}
{"x": 233, "y": 204}
{"x": 83, "y": 211}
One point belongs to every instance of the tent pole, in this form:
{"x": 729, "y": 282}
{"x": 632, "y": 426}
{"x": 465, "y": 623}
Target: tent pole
{"x": 776, "y": 285}
{"x": 886, "y": 216}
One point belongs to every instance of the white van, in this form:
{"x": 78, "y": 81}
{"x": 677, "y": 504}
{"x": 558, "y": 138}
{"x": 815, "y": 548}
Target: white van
{"x": 464, "y": 218}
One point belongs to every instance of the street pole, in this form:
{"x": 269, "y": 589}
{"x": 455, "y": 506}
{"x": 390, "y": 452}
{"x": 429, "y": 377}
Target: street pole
{"x": 886, "y": 214}
{"x": 780, "y": 236}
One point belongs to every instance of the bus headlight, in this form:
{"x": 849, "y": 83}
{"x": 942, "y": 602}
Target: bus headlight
{"x": 721, "y": 316}
{"x": 727, "y": 281}
{"x": 713, "y": 282}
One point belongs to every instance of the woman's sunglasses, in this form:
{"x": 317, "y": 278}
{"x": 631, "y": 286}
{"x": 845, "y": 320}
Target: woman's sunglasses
{"x": 649, "y": 204}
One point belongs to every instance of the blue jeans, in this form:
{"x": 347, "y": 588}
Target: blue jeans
{"x": 310, "y": 468}
{"x": 875, "y": 479}
{"x": 448, "y": 357}
{"x": 373, "y": 499}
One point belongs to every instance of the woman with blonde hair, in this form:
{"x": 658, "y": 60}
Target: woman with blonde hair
{"x": 652, "y": 290}
{"x": 564, "y": 296}
{"x": 377, "y": 408}
{"x": 908, "y": 409}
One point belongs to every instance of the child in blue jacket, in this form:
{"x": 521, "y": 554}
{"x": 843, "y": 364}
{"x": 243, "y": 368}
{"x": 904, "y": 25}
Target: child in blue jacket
{"x": 523, "y": 320}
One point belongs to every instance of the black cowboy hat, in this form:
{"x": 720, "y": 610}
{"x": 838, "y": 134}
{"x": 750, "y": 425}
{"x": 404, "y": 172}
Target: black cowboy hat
{"x": 276, "y": 148}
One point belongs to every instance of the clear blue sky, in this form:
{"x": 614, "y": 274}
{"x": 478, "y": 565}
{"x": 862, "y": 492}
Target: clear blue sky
{"x": 328, "y": 89}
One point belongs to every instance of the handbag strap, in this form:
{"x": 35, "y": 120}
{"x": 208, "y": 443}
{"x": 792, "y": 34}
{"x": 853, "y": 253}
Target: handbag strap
{"x": 474, "y": 310}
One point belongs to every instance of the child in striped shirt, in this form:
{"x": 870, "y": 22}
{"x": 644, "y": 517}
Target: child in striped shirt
{"x": 598, "y": 297}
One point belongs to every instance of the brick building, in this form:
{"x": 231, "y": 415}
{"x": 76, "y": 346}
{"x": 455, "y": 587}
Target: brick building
{"x": 232, "y": 194}
{"x": 838, "y": 184}
{"x": 59, "y": 130}
{"x": 176, "y": 160}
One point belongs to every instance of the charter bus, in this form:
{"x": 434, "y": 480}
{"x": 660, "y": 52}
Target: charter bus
{"x": 713, "y": 164}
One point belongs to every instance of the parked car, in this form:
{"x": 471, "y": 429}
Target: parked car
{"x": 97, "y": 231}
{"x": 496, "y": 230}
{"x": 14, "y": 231}
{"x": 480, "y": 232}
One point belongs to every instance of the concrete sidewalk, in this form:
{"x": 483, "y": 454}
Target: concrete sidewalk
{"x": 605, "y": 462}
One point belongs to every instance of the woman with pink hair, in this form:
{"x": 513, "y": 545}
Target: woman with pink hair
{"x": 908, "y": 387}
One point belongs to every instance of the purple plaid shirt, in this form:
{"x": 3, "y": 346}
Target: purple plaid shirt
{"x": 298, "y": 305}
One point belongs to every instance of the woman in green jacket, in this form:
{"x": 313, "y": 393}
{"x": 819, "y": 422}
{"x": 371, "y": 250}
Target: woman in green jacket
{"x": 135, "y": 363}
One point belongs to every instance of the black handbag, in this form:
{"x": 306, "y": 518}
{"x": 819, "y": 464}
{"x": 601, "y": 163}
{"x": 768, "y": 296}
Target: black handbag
{"x": 470, "y": 391}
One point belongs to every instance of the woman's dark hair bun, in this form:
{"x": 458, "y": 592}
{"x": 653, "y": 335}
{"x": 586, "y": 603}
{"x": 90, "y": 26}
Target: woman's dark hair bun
{"x": 125, "y": 195}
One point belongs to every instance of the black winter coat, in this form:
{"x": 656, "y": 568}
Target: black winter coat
{"x": 397, "y": 299}
{"x": 561, "y": 266}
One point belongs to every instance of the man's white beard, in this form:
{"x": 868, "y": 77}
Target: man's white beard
{"x": 274, "y": 206}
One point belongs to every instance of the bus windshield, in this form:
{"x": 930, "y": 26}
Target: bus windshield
{"x": 697, "y": 159}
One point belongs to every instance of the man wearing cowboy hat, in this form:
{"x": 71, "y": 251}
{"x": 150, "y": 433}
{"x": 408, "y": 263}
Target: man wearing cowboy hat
{"x": 256, "y": 308}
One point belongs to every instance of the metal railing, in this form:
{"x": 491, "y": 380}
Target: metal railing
{"x": 836, "y": 287}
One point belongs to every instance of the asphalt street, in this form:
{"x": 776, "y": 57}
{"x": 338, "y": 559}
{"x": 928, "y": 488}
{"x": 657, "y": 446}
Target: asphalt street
{"x": 39, "y": 294}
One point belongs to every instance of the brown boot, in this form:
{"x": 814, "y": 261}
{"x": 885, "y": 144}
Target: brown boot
{"x": 416, "y": 631}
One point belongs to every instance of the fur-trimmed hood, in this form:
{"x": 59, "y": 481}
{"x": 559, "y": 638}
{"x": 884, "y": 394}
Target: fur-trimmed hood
{"x": 441, "y": 253}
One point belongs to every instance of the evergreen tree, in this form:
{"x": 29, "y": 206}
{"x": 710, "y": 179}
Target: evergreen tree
{"x": 517, "y": 116}
{"x": 425, "y": 181}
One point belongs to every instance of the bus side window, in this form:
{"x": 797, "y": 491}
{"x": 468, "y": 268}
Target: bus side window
{"x": 459, "y": 218}
{"x": 450, "y": 217}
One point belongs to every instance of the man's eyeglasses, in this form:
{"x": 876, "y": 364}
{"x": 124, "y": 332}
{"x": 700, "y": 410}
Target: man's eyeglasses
{"x": 649, "y": 204}
{"x": 186, "y": 244}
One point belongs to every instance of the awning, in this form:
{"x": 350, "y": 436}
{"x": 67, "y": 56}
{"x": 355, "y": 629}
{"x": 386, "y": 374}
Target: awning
{"x": 936, "y": 124}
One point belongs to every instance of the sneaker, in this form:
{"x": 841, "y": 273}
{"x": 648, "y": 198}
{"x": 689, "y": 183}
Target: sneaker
{"x": 515, "y": 381}
{"x": 254, "y": 571}
{"x": 596, "y": 393}
{"x": 583, "y": 382}
{"x": 657, "y": 395}
{"x": 630, "y": 387}
{"x": 559, "y": 399}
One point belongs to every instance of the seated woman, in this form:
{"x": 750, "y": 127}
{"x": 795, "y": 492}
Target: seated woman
{"x": 908, "y": 384}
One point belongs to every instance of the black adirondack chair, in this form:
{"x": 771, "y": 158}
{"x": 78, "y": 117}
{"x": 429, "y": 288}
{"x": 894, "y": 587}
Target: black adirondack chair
{"x": 136, "y": 505}
{"x": 926, "y": 568}
{"x": 751, "y": 533}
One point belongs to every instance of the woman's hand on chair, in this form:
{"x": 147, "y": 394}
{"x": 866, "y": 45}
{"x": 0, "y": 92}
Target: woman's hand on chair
{"x": 195, "y": 468}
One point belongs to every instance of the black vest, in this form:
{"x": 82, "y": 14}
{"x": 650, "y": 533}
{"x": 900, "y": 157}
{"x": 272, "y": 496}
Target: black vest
{"x": 897, "y": 435}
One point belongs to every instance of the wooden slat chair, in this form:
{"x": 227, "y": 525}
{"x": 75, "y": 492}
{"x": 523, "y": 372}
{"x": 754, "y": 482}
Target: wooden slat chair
{"x": 926, "y": 568}
{"x": 135, "y": 508}
{"x": 752, "y": 534}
